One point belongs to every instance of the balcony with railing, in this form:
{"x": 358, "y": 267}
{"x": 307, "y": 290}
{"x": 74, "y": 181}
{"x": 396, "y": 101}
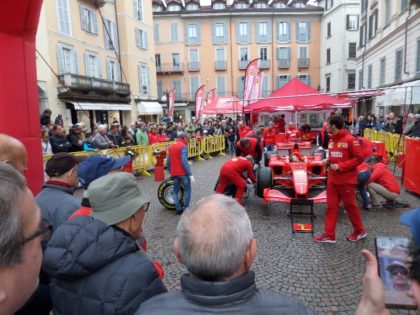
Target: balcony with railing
{"x": 194, "y": 66}
{"x": 264, "y": 64}
{"x": 303, "y": 62}
{"x": 81, "y": 83}
{"x": 220, "y": 65}
{"x": 283, "y": 63}
{"x": 243, "y": 64}
{"x": 168, "y": 68}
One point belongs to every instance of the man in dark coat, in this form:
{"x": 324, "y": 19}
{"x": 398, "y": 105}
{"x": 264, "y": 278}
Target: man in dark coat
{"x": 218, "y": 257}
{"x": 59, "y": 143}
{"x": 95, "y": 263}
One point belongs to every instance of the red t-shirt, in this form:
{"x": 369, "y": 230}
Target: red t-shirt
{"x": 153, "y": 138}
{"x": 243, "y": 131}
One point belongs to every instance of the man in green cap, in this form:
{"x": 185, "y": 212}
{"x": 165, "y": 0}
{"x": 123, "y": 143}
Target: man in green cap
{"x": 95, "y": 262}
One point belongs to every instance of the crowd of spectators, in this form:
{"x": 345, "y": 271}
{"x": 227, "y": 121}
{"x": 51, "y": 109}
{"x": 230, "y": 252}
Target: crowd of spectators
{"x": 389, "y": 123}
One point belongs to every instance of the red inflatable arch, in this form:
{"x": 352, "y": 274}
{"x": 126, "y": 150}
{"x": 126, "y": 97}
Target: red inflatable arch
{"x": 19, "y": 109}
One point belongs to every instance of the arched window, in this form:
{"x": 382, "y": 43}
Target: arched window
{"x": 219, "y": 6}
{"x": 192, "y": 6}
{"x": 241, "y": 5}
{"x": 174, "y": 7}
{"x": 260, "y": 5}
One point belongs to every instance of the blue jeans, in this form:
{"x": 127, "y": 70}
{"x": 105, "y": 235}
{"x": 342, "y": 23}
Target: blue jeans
{"x": 186, "y": 182}
{"x": 362, "y": 180}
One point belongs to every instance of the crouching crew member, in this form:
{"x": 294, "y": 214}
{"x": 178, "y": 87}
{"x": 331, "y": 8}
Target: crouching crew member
{"x": 344, "y": 156}
{"x": 233, "y": 171}
{"x": 249, "y": 146}
{"x": 382, "y": 183}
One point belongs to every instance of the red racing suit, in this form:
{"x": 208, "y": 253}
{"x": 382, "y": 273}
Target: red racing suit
{"x": 254, "y": 150}
{"x": 269, "y": 136}
{"x": 233, "y": 171}
{"x": 243, "y": 131}
{"x": 383, "y": 176}
{"x": 345, "y": 151}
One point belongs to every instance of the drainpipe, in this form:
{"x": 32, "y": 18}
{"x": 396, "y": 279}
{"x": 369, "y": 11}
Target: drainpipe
{"x": 119, "y": 43}
{"x": 231, "y": 50}
{"x": 406, "y": 39}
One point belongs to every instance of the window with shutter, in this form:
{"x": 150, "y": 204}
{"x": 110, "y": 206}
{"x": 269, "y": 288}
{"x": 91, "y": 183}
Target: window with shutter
{"x": 64, "y": 26}
{"x": 178, "y": 89}
{"x": 352, "y": 50}
{"x": 221, "y": 85}
{"x": 174, "y": 32}
{"x": 369, "y": 80}
{"x": 144, "y": 79}
{"x": 352, "y": 22}
{"x": 141, "y": 39}
{"x": 194, "y": 84}
{"x": 398, "y": 65}
{"x": 156, "y": 34}
{"x": 66, "y": 59}
{"x": 113, "y": 70}
{"x": 351, "y": 81}
{"x": 88, "y": 20}
{"x": 282, "y": 80}
{"x": 283, "y": 32}
{"x": 242, "y": 32}
{"x": 382, "y": 72}
{"x": 110, "y": 35}
{"x": 138, "y": 9}
{"x": 418, "y": 58}
{"x": 262, "y": 32}
{"x": 159, "y": 88}
{"x": 265, "y": 87}
{"x": 219, "y": 33}
{"x": 328, "y": 84}
{"x": 361, "y": 80}
{"x": 329, "y": 29}
{"x": 302, "y": 34}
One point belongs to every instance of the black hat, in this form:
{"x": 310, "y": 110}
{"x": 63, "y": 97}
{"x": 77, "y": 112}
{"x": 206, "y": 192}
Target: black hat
{"x": 61, "y": 163}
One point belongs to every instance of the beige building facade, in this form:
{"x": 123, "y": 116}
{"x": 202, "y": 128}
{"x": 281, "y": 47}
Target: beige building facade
{"x": 95, "y": 60}
{"x": 212, "y": 45}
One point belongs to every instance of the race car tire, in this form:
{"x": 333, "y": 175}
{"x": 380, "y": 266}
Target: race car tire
{"x": 165, "y": 194}
{"x": 267, "y": 157}
{"x": 264, "y": 180}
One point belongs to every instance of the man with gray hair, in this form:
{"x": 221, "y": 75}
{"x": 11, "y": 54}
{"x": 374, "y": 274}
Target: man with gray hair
{"x": 216, "y": 244}
{"x": 101, "y": 140}
{"x": 21, "y": 229}
{"x": 13, "y": 152}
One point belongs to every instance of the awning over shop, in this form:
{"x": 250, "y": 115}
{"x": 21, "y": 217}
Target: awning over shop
{"x": 100, "y": 106}
{"x": 404, "y": 94}
{"x": 149, "y": 108}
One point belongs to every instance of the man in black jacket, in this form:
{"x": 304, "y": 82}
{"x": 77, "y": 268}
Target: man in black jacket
{"x": 59, "y": 143}
{"x": 95, "y": 263}
{"x": 218, "y": 257}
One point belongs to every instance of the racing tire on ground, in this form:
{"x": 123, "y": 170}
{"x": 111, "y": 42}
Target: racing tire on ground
{"x": 264, "y": 180}
{"x": 165, "y": 194}
{"x": 267, "y": 157}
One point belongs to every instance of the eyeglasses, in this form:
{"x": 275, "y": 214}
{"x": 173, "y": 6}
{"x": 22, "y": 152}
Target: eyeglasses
{"x": 45, "y": 229}
{"x": 145, "y": 207}
{"x": 402, "y": 272}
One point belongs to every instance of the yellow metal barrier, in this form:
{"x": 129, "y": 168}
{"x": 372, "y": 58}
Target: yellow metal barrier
{"x": 393, "y": 144}
{"x": 144, "y": 157}
{"x": 367, "y": 133}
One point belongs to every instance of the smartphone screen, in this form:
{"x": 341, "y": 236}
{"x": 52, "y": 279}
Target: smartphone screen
{"x": 392, "y": 254}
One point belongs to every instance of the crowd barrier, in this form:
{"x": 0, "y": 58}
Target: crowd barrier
{"x": 394, "y": 143}
{"x": 144, "y": 158}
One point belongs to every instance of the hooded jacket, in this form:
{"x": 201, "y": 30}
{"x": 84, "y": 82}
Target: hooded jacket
{"x": 97, "y": 269}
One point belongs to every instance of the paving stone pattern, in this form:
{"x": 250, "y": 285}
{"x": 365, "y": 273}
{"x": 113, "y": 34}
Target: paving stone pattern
{"x": 328, "y": 277}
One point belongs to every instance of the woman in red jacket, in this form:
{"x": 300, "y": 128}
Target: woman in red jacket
{"x": 153, "y": 136}
{"x": 162, "y": 135}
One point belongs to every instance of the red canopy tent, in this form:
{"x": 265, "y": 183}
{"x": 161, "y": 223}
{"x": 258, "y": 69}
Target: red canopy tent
{"x": 297, "y": 96}
{"x": 224, "y": 105}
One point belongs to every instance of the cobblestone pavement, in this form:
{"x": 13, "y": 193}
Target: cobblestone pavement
{"x": 328, "y": 277}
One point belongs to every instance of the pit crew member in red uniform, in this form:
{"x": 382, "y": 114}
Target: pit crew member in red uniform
{"x": 233, "y": 172}
{"x": 382, "y": 183}
{"x": 243, "y": 130}
{"x": 344, "y": 156}
{"x": 363, "y": 171}
{"x": 279, "y": 124}
{"x": 249, "y": 146}
{"x": 269, "y": 136}
{"x": 292, "y": 132}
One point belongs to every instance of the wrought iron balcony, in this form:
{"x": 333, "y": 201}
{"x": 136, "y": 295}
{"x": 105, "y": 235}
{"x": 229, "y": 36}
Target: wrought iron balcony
{"x": 283, "y": 63}
{"x": 243, "y": 64}
{"x": 303, "y": 62}
{"x": 194, "y": 66}
{"x": 264, "y": 64}
{"x": 168, "y": 68}
{"x": 85, "y": 83}
{"x": 220, "y": 64}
